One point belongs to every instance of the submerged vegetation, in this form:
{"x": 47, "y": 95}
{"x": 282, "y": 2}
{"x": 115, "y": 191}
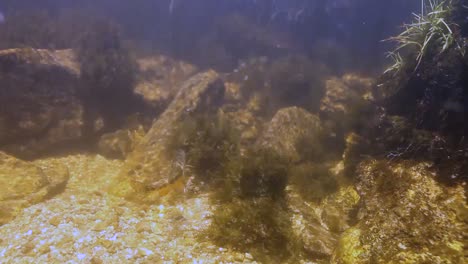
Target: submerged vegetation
{"x": 431, "y": 33}
{"x": 284, "y": 151}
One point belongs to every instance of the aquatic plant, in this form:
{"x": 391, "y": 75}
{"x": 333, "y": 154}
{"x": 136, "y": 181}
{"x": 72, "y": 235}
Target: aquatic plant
{"x": 264, "y": 173}
{"x": 430, "y": 33}
{"x": 313, "y": 181}
{"x": 398, "y": 62}
{"x": 261, "y": 227}
{"x": 204, "y": 144}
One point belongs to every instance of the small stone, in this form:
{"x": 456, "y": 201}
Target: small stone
{"x": 98, "y": 193}
{"x": 106, "y": 243}
{"x": 28, "y": 247}
{"x": 44, "y": 249}
{"x": 143, "y": 227}
{"x": 96, "y": 260}
{"x": 119, "y": 211}
{"x": 79, "y": 221}
{"x": 248, "y": 256}
{"x": 99, "y": 226}
{"x": 145, "y": 252}
{"x": 55, "y": 221}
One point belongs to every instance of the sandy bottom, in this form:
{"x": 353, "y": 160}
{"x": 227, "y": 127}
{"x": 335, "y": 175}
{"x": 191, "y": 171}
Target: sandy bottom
{"x": 85, "y": 225}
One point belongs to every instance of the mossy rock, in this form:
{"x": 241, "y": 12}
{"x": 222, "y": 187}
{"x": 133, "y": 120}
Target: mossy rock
{"x": 259, "y": 226}
{"x": 350, "y": 249}
{"x": 406, "y": 216}
{"x": 345, "y": 101}
{"x": 120, "y": 143}
{"x": 318, "y": 224}
{"x": 287, "y": 128}
{"x": 25, "y": 183}
{"x": 152, "y": 165}
{"x": 40, "y": 108}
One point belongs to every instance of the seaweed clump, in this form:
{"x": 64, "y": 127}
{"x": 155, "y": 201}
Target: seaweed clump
{"x": 431, "y": 33}
{"x": 247, "y": 185}
{"x": 205, "y": 145}
{"x": 252, "y": 214}
{"x": 108, "y": 74}
{"x": 254, "y": 217}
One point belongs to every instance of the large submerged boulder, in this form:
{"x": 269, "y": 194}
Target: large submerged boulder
{"x": 160, "y": 77}
{"x": 406, "y": 216}
{"x": 25, "y": 183}
{"x": 41, "y": 97}
{"x": 287, "y": 129}
{"x": 345, "y": 101}
{"x": 39, "y": 107}
{"x": 319, "y": 224}
{"x": 153, "y": 165}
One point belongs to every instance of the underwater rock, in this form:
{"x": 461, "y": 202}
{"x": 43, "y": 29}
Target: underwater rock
{"x": 120, "y": 143}
{"x": 287, "y": 128}
{"x": 356, "y": 147}
{"x": 39, "y": 106}
{"x": 150, "y": 166}
{"x": 319, "y": 224}
{"x": 405, "y": 216}
{"x": 345, "y": 98}
{"x": 160, "y": 77}
{"x": 25, "y": 183}
{"x": 247, "y": 123}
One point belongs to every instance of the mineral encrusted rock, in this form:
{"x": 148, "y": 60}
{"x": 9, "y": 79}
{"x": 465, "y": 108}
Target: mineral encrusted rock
{"x": 286, "y": 129}
{"x": 25, "y": 183}
{"x": 345, "y": 99}
{"x": 150, "y": 166}
{"x": 38, "y": 103}
{"x": 120, "y": 143}
{"x": 406, "y": 216}
{"x": 319, "y": 225}
{"x": 160, "y": 77}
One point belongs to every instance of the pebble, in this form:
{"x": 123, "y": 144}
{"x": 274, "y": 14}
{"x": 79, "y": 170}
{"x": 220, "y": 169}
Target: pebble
{"x": 100, "y": 226}
{"x": 96, "y": 260}
{"x": 55, "y": 221}
{"x": 143, "y": 227}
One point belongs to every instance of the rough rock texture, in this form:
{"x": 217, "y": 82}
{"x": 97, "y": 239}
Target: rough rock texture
{"x": 160, "y": 77}
{"x": 38, "y": 103}
{"x": 406, "y": 217}
{"x": 24, "y": 183}
{"x": 344, "y": 98}
{"x": 120, "y": 143}
{"x": 287, "y": 128}
{"x": 319, "y": 225}
{"x": 247, "y": 123}
{"x": 150, "y": 165}
{"x": 40, "y": 107}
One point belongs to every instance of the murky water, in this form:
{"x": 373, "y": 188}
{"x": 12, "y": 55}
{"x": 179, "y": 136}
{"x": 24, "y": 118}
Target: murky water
{"x": 240, "y": 131}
